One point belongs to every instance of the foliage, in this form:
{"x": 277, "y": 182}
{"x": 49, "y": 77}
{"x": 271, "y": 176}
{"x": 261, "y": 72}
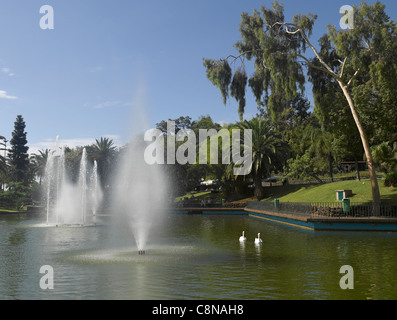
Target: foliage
{"x": 18, "y": 154}
{"x": 306, "y": 166}
{"x": 16, "y": 196}
{"x": 370, "y": 49}
{"x": 390, "y": 179}
{"x": 277, "y": 78}
{"x": 3, "y": 163}
{"x": 356, "y": 69}
{"x": 220, "y": 74}
{"x": 384, "y": 156}
{"x": 180, "y": 123}
{"x": 267, "y": 147}
{"x": 103, "y": 151}
{"x": 39, "y": 162}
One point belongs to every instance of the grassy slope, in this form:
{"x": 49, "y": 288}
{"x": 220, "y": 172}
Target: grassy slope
{"x": 327, "y": 192}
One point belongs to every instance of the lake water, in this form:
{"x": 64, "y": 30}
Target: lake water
{"x": 194, "y": 257}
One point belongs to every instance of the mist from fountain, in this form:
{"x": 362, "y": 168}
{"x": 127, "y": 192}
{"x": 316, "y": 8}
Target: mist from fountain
{"x": 67, "y": 203}
{"x": 95, "y": 190}
{"x": 140, "y": 194}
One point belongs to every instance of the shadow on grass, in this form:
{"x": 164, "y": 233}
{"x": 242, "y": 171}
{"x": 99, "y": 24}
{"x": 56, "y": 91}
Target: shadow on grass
{"x": 272, "y": 193}
{"x": 389, "y": 198}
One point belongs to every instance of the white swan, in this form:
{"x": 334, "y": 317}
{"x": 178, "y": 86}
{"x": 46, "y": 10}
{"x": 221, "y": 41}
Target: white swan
{"x": 243, "y": 238}
{"x": 258, "y": 240}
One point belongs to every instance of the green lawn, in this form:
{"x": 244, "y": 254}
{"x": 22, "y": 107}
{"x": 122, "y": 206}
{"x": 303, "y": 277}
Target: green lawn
{"x": 327, "y": 192}
{"x": 200, "y": 195}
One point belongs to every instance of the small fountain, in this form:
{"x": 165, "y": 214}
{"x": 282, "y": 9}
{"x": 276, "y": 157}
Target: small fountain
{"x": 95, "y": 191}
{"x": 67, "y": 202}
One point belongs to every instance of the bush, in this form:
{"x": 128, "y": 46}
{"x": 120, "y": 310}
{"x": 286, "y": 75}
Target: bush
{"x": 16, "y": 196}
{"x": 390, "y": 180}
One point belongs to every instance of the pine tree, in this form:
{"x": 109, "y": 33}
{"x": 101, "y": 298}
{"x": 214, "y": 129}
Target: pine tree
{"x": 18, "y": 154}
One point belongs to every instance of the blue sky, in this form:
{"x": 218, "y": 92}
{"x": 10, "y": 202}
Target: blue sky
{"x": 105, "y": 61}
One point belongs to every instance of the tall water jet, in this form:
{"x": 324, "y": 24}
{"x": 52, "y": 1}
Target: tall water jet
{"x": 67, "y": 202}
{"x": 139, "y": 193}
{"x": 82, "y": 184}
{"x": 48, "y": 180}
{"x": 95, "y": 190}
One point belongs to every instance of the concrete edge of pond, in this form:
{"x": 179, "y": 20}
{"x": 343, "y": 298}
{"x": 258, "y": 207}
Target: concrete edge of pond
{"x": 327, "y": 223}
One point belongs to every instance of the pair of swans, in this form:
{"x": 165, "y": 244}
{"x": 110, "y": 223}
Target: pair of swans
{"x": 257, "y": 240}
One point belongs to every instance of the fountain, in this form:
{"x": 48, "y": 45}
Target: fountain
{"x": 95, "y": 191}
{"x": 67, "y": 202}
{"x": 139, "y": 196}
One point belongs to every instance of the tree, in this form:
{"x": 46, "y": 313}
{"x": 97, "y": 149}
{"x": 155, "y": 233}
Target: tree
{"x": 384, "y": 157}
{"x": 3, "y": 163}
{"x": 266, "y": 147}
{"x": 103, "y": 151}
{"x": 18, "y": 153}
{"x": 367, "y": 61}
{"x": 321, "y": 144}
{"x": 305, "y": 166}
{"x": 39, "y": 162}
{"x": 180, "y": 123}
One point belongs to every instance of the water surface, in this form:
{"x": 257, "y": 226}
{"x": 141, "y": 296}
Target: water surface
{"x": 194, "y": 257}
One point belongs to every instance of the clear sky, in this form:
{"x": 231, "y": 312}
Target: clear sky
{"x": 106, "y": 59}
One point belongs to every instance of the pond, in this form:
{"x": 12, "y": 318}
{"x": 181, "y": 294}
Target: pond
{"x": 193, "y": 257}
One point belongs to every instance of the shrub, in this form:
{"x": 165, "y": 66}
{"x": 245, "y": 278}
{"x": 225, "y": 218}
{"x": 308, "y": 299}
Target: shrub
{"x": 390, "y": 180}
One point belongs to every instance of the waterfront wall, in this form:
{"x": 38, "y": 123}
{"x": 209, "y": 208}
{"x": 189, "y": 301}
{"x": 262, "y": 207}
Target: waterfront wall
{"x": 319, "y": 217}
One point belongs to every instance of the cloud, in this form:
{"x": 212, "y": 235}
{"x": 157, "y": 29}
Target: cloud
{"x": 71, "y": 143}
{"x": 110, "y": 104}
{"x": 96, "y": 69}
{"x": 4, "y": 95}
{"x": 8, "y": 71}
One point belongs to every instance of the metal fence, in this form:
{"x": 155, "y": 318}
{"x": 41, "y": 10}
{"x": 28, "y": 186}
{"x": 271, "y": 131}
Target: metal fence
{"x": 192, "y": 203}
{"x": 327, "y": 209}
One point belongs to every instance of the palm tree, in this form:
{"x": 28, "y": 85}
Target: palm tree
{"x": 266, "y": 148}
{"x": 39, "y": 163}
{"x": 103, "y": 151}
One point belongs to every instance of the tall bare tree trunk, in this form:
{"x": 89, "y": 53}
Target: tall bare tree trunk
{"x": 371, "y": 166}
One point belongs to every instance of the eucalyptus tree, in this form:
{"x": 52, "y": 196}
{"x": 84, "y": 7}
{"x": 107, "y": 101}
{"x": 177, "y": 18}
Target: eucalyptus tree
{"x": 366, "y": 65}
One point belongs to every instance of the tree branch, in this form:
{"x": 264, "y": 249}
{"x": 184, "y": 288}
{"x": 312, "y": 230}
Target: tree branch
{"x": 342, "y": 71}
{"x": 303, "y": 34}
{"x": 314, "y": 66}
{"x": 238, "y": 57}
{"x": 352, "y": 79}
